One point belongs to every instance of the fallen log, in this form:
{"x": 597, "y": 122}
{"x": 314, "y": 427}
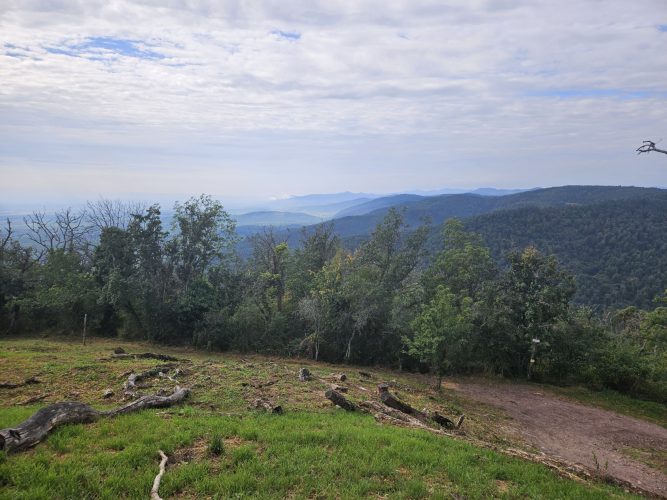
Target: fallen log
{"x": 37, "y": 427}
{"x": 338, "y": 399}
{"x": 425, "y": 417}
{"x": 145, "y": 355}
{"x": 28, "y": 381}
{"x": 131, "y": 386}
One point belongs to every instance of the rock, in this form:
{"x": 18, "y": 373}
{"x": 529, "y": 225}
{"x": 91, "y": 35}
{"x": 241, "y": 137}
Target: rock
{"x": 107, "y": 394}
{"x": 339, "y": 388}
{"x": 304, "y": 375}
{"x": 119, "y": 350}
{"x": 365, "y": 374}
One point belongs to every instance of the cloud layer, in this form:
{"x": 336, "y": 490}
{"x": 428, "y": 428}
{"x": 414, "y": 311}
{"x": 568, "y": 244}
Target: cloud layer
{"x": 268, "y": 98}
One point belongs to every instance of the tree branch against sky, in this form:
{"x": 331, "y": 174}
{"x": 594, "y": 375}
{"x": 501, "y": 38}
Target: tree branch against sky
{"x": 649, "y": 146}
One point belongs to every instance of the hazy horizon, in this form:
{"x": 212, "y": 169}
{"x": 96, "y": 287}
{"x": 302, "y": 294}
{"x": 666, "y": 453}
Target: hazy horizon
{"x": 247, "y": 102}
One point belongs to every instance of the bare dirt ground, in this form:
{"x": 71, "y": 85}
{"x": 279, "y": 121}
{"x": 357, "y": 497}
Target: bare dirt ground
{"x": 578, "y": 433}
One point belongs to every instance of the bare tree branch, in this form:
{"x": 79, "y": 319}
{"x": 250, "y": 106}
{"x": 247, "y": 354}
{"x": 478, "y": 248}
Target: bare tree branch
{"x": 8, "y": 237}
{"x": 65, "y": 231}
{"x": 105, "y": 213}
{"x": 649, "y": 146}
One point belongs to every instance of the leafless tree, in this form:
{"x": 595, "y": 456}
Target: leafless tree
{"x": 66, "y": 230}
{"x": 647, "y": 147}
{"x": 105, "y": 213}
{"x": 7, "y": 237}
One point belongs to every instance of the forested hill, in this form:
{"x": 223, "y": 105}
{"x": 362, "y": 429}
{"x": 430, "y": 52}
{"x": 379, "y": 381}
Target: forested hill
{"x": 612, "y": 238}
{"x": 438, "y": 209}
{"x": 617, "y": 250}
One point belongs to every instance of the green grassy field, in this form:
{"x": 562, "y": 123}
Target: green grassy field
{"x": 312, "y": 451}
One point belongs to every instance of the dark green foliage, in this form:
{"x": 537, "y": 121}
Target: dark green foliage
{"x": 383, "y": 303}
{"x": 617, "y": 251}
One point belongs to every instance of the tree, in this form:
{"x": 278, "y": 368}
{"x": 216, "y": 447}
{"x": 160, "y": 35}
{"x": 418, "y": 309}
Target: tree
{"x": 465, "y": 265}
{"x": 65, "y": 231}
{"x": 535, "y": 295}
{"x": 442, "y": 333}
{"x": 104, "y": 213}
{"x": 204, "y": 234}
{"x": 269, "y": 262}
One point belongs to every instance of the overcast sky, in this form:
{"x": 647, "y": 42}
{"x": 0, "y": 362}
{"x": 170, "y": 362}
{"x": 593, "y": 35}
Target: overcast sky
{"x": 252, "y": 99}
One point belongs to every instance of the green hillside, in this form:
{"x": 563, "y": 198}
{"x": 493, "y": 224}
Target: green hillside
{"x": 617, "y": 250}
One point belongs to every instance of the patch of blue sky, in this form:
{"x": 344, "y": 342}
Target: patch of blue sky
{"x": 596, "y": 93}
{"x": 662, "y": 27}
{"x": 291, "y": 36}
{"x": 95, "y": 47}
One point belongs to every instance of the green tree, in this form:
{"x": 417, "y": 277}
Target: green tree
{"x": 442, "y": 333}
{"x": 535, "y": 296}
{"x": 204, "y": 234}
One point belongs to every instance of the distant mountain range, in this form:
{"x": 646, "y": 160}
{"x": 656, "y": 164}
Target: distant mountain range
{"x": 269, "y": 218}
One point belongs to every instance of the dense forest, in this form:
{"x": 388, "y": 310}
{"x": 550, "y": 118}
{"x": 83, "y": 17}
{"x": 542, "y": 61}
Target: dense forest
{"x": 616, "y": 250}
{"x": 388, "y": 302}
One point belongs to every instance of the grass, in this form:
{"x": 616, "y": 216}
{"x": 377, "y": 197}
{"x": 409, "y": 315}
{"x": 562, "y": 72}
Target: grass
{"x": 312, "y": 451}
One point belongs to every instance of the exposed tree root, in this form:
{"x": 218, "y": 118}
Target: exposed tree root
{"x": 38, "y": 426}
{"x": 158, "y": 478}
{"x": 34, "y": 399}
{"x": 130, "y": 387}
{"x": 28, "y": 381}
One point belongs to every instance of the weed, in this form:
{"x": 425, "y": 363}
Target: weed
{"x": 216, "y": 446}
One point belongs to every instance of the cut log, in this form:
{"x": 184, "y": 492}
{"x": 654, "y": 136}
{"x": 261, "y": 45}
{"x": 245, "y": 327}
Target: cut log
{"x": 28, "y": 381}
{"x": 38, "y": 426}
{"x": 425, "y": 417}
{"x": 442, "y": 420}
{"x": 393, "y": 402}
{"x": 304, "y": 375}
{"x": 338, "y": 399}
{"x": 119, "y": 350}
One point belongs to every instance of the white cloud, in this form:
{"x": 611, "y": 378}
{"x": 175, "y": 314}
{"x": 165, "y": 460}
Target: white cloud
{"x": 369, "y": 96}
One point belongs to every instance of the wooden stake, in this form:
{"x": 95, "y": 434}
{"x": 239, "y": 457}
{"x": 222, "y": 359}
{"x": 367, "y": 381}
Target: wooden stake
{"x": 85, "y": 321}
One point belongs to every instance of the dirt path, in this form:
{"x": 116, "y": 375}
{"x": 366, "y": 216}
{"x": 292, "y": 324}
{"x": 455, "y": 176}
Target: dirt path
{"x": 576, "y": 432}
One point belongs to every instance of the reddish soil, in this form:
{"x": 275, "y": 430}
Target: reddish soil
{"x": 577, "y": 433}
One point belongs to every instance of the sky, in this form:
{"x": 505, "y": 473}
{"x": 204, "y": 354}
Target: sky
{"x": 260, "y": 99}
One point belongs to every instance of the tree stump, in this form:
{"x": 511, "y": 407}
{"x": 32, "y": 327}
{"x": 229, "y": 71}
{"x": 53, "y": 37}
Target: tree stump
{"x": 304, "y": 375}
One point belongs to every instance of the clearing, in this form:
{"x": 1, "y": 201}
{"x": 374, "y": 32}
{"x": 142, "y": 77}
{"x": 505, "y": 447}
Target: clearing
{"x": 621, "y": 446}
{"x": 221, "y": 447}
